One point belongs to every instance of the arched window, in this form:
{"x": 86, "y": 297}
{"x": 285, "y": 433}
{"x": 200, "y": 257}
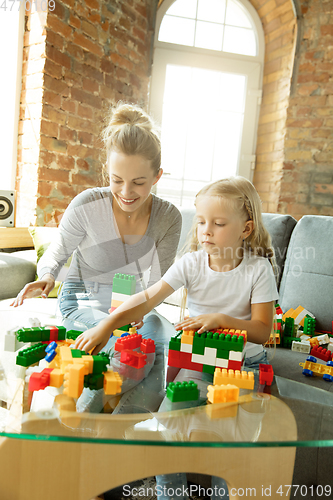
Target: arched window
{"x": 206, "y": 92}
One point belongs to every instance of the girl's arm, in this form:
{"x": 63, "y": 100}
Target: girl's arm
{"x": 258, "y": 327}
{"x": 135, "y": 307}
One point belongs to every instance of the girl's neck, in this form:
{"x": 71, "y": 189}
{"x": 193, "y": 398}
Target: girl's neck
{"x": 223, "y": 264}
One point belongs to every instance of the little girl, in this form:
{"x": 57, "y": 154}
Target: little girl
{"x": 230, "y": 281}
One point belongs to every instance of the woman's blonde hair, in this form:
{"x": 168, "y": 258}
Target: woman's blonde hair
{"x": 132, "y": 131}
{"x": 247, "y": 202}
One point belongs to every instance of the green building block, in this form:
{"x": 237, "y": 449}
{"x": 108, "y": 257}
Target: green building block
{"x": 182, "y": 391}
{"x": 208, "y": 369}
{"x": 288, "y": 327}
{"x": 100, "y": 363}
{"x": 287, "y": 341}
{"x": 31, "y": 355}
{"x": 309, "y": 325}
{"x": 174, "y": 344}
{"x": 124, "y": 283}
{"x": 94, "y": 382}
{"x": 72, "y": 334}
{"x": 199, "y": 342}
{"x": 76, "y": 353}
{"x": 61, "y": 332}
{"x": 222, "y": 353}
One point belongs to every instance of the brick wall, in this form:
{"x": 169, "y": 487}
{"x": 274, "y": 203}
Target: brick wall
{"x": 307, "y": 176}
{"x": 77, "y": 59}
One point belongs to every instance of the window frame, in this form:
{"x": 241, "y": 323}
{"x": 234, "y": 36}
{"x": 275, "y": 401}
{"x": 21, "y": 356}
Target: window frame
{"x": 250, "y": 66}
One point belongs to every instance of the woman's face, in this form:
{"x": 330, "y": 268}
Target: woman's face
{"x": 131, "y": 179}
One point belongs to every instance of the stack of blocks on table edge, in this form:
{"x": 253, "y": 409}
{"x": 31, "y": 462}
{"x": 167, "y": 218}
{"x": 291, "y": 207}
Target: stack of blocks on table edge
{"x": 203, "y": 352}
{"x": 123, "y": 286}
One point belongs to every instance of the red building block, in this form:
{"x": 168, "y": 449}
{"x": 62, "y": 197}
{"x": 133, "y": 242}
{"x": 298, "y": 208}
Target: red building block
{"x": 147, "y": 346}
{"x": 235, "y": 365}
{"x": 53, "y": 333}
{"x": 180, "y": 359}
{"x": 39, "y": 380}
{"x": 321, "y": 353}
{"x": 266, "y": 374}
{"x": 128, "y": 343}
{"x": 133, "y": 358}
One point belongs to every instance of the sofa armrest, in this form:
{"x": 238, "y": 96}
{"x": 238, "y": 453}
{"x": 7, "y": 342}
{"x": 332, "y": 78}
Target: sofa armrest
{"x": 16, "y": 270}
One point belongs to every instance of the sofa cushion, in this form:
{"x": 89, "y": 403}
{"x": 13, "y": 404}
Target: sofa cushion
{"x": 308, "y": 274}
{"x": 42, "y": 237}
{"x": 280, "y": 228}
{"x": 16, "y": 270}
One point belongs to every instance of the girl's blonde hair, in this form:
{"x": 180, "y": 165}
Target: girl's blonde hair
{"x": 246, "y": 201}
{"x": 132, "y": 131}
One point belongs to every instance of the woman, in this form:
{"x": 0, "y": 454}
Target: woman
{"x": 123, "y": 228}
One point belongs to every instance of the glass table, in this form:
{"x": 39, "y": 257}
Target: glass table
{"x": 57, "y": 453}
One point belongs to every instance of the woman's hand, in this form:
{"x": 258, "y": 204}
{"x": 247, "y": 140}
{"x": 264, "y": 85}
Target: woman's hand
{"x": 202, "y": 323}
{"x": 96, "y": 338}
{"x": 42, "y": 287}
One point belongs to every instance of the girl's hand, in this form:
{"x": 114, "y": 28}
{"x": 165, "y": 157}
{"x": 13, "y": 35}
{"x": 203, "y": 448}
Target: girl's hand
{"x": 202, "y": 323}
{"x": 95, "y": 338}
{"x": 137, "y": 323}
{"x": 35, "y": 289}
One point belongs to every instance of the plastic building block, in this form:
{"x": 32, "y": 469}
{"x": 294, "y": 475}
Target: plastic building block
{"x": 311, "y": 367}
{"x": 323, "y": 339}
{"x": 242, "y": 379}
{"x": 112, "y": 382}
{"x": 182, "y": 391}
{"x": 100, "y": 363}
{"x": 187, "y": 337}
{"x": 128, "y": 342}
{"x": 289, "y": 327}
{"x": 133, "y": 358}
{"x": 56, "y": 378}
{"x": 321, "y": 353}
{"x": 266, "y": 374}
{"x": 222, "y": 393}
{"x": 124, "y": 283}
{"x": 39, "y": 380}
{"x": 309, "y": 325}
{"x": 31, "y": 355}
{"x": 74, "y": 380}
{"x": 94, "y": 382}
{"x": 301, "y": 347}
{"x": 147, "y": 346}
{"x": 73, "y": 334}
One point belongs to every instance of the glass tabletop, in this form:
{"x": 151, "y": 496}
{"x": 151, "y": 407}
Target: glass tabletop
{"x": 265, "y": 416}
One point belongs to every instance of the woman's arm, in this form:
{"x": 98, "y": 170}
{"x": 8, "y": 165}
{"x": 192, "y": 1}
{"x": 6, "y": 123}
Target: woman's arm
{"x": 258, "y": 327}
{"x": 135, "y": 307}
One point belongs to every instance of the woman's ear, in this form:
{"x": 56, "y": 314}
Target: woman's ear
{"x": 159, "y": 175}
{"x": 249, "y": 226}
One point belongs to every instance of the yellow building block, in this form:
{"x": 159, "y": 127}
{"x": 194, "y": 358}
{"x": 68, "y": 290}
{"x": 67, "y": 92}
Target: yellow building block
{"x": 56, "y": 378}
{"x": 73, "y": 380}
{"x": 223, "y": 393}
{"x": 87, "y": 361}
{"x": 112, "y": 382}
{"x": 187, "y": 337}
{"x": 116, "y": 303}
{"x": 241, "y": 379}
{"x": 65, "y": 357}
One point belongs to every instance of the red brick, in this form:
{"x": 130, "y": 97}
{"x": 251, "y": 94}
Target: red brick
{"x": 68, "y": 105}
{"x": 74, "y": 21}
{"x": 82, "y": 164}
{"x": 90, "y": 85}
{"x": 44, "y": 188}
{"x": 58, "y": 26}
{"x": 326, "y": 30}
{"x": 84, "y": 180}
{"x": 84, "y": 112}
{"x": 89, "y": 29}
{"x": 121, "y": 61}
{"x": 107, "y": 66}
{"x": 67, "y": 134}
{"x": 52, "y": 99}
{"x": 52, "y": 144}
{"x": 67, "y": 190}
{"x": 74, "y": 50}
{"x": 65, "y": 162}
{"x": 52, "y": 174}
{"x": 57, "y": 56}
{"x": 54, "y": 115}
{"x": 92, "y": 4}
{"x": 57, "y": 86}
{"x": 55, "y": 40}
{"x": 87, "y": 44}
{"x": 49, "y": 128}
{"x": 52, "y": 69}
{"x": 85, "y": 138}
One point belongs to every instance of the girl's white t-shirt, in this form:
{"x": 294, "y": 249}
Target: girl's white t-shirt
{"x": 231, "y": 292}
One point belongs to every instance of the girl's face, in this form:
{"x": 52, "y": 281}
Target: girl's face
{"x": 131, "y": 179}
{"x": 220, "y": 229}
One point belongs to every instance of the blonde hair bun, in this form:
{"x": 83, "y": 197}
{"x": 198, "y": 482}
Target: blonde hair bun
{"x": 132, "y": 131}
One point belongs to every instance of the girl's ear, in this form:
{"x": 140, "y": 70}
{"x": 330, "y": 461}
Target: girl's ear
{"x": 249, "y": 226}
{"x": 159, "y": 175}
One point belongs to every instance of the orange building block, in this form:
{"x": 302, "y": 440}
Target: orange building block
{"x": 56, "y": 378}
{"x": 112, "y": 382}
{"x": 241, "y": 379}
{"x": 187, "y": 337}
{"x": 73, "y": 380}
{"x": 223, "y": 393}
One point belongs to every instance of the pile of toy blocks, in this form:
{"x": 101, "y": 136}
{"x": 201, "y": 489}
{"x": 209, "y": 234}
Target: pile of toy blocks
{"x": 123, "y": 287}
{"x": 222, "y": 348}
